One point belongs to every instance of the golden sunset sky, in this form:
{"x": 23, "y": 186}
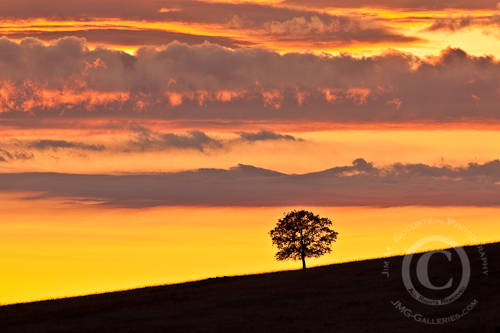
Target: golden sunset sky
{"x": 148, "y": 142}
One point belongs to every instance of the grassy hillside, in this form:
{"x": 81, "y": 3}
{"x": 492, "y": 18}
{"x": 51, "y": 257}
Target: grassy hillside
{"x": 337, "y": 298}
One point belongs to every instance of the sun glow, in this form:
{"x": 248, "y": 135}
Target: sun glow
{"x": 103, "y": 249}
{"x": 263, "y": 89}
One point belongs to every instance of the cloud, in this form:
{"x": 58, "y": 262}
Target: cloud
{"x": 62, "y": 144}
{"x": 130, "y": 37}
{"x": 6, "y": 156}
{"x": 242, "y": 15}
{"x": 333, "y": 31}
{"x": 398, "y": 5}
{"x": 68, "y": 80}
{"x": 88, "y": 9}
{"x": 459, "y": 23}
{"x": 359, "y": 184}
{"x": 22, "y": 150}
{"x": 147, "y": 140}
{"x": 257, "y": 22}
{"x": 266, "y": 136}
{"x": 142, "y": 140}
{"x": 451, "y": 24}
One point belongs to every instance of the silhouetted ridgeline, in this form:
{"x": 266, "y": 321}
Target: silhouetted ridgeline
{"x": 338, "y": 298}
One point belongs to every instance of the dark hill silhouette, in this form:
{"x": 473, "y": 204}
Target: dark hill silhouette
{"x": 337, "y": 298}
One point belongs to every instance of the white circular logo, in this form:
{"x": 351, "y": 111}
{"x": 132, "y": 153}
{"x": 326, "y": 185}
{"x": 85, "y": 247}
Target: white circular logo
{"x": 435, "y": 278}
{"x": 422, "y": 271}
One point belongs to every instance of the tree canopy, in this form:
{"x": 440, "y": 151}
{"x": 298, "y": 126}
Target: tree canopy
{"x": 302, "y": 234}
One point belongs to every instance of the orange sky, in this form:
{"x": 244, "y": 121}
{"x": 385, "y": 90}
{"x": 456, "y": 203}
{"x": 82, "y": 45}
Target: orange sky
{"x": 479, "y": 35}
{"x": 318, "y": 150}
{"x": 46, "y": 256}
{"x": 386, "y": 111}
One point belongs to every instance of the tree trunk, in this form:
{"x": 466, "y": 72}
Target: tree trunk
{"x": 302, "y": 250}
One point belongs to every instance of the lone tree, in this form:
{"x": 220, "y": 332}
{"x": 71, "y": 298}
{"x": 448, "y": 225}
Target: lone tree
{"x": 302, "y": 234}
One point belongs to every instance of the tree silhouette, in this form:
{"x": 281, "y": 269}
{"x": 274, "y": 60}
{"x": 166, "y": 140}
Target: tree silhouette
{"x": 302, "y": 234}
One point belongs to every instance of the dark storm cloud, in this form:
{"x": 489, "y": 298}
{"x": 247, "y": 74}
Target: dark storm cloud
{"x": 358, "y": 184}
{"x": 207, "y": 82}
